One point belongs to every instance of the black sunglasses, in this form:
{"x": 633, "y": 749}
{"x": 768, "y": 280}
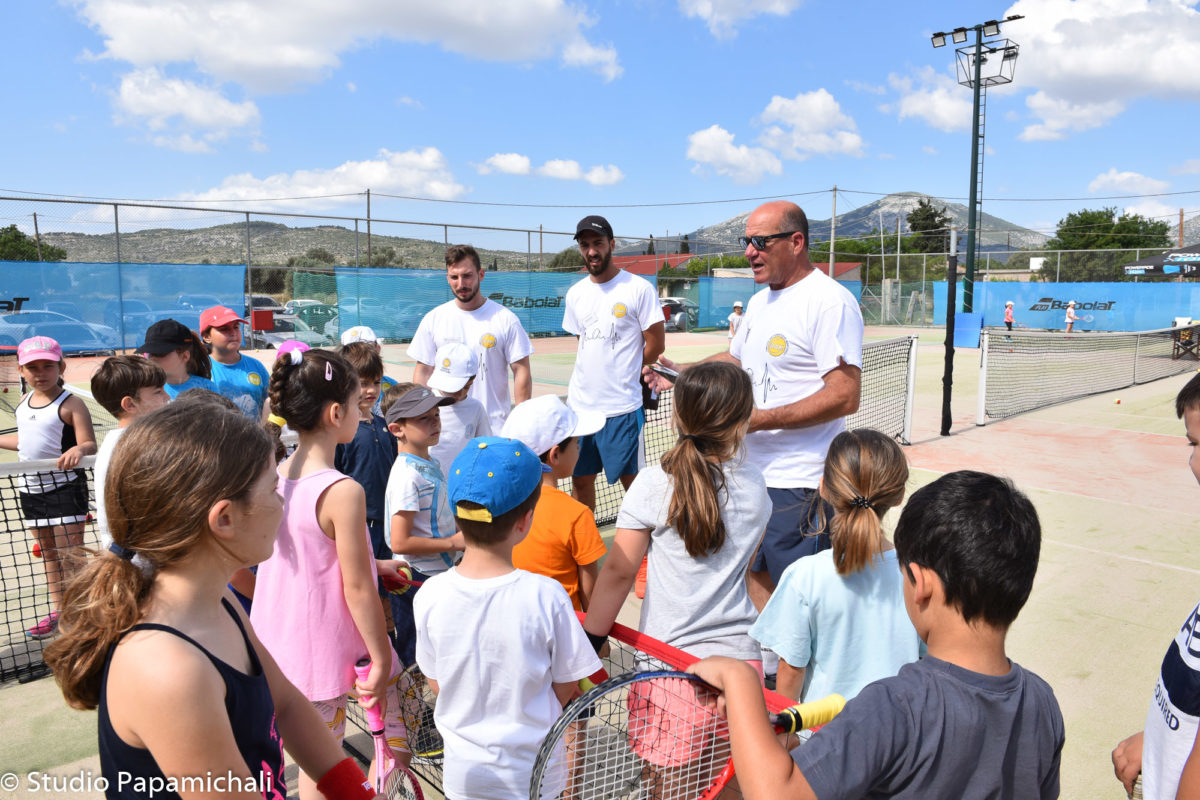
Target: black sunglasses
{"x": 760, "y": 242}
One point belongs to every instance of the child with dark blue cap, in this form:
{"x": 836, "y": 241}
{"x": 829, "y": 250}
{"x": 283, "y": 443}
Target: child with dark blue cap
{"x": 502, "y": 647}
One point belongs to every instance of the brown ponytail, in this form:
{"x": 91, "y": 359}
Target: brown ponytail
{"x": 167, "y": 471}
{"x": 198, "y": 362}
{"x": 865, "y": 474}
{"x": 713, "y": 401}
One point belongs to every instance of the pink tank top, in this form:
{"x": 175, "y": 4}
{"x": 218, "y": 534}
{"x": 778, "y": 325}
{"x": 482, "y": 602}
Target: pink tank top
{"x": 299, "y": 610}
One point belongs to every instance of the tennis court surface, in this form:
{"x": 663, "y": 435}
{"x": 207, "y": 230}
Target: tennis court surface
{"x": 1120, "y": 563}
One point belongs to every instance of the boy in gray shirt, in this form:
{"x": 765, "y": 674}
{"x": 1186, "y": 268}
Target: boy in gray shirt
{"x": 965, "y": 721}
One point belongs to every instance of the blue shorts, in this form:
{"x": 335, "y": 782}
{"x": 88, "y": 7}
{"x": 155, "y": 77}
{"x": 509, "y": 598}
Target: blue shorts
{"x": 616, "y": 448}
{"x": 789, "y": 534}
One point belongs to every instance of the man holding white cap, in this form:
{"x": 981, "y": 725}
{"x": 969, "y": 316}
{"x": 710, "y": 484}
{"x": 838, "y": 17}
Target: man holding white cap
{"x": 488, "y": 328}
{"x": 563, "y": 542}
{"x": 455, "y": 368}
{"x": 619, "y": 323}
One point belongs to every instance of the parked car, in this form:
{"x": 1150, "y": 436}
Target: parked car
{"x": 286, "y": 327}
{"x": 292, "y": 306}
{"x": 680, "y": 313}
{"x": 263, "y": 302}
{"x": 198, "y": 302}
{"x": 74, "y": 335}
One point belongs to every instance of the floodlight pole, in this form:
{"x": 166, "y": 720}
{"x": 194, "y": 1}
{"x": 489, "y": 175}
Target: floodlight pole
{"x": 973, "y": 203}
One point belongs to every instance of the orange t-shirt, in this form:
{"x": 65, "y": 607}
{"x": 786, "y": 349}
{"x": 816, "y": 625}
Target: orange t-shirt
{"x": 563, "y": 537}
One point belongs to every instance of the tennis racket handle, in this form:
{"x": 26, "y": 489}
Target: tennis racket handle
{"x": 808, "y": 715}
{"x": 374, "y": 719}
{"x": 589, "y": 683}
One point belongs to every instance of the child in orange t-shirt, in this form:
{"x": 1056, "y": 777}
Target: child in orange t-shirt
{"x": 563, "y": 542}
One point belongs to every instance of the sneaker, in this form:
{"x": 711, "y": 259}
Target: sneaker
{"x": 639, "y": 583}
{"x": 44, "y": 629}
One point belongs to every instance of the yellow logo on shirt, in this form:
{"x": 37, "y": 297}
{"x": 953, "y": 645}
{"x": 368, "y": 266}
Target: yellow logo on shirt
{"x": 487, "y": 341}
{"x": 777, "y": 345}
{"x": 255, "y": 379}
{"x": 619, "y": 310}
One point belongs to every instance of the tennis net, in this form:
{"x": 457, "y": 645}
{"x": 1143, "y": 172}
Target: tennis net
{"x": 888, "y": 375}
{"x": 1021, "y": 371}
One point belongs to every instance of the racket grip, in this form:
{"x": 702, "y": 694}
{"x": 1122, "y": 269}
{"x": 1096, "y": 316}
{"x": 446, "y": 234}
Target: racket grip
{"x": 374, "y": 719}
{"x": 807, "y": 715}
{"x": 589, "y": 683}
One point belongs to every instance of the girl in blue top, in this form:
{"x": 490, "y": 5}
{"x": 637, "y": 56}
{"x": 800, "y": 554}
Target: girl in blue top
{"x": 179, "y": 351}
{"x": 837, "y": 618}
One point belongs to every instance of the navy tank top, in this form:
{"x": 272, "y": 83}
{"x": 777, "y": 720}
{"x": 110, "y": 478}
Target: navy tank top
{"x": 129, "y": 770}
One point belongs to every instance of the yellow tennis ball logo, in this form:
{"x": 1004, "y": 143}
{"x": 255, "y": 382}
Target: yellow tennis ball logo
{"x": 445, "y": 363}
{"x": 487, "y": 341}
{"x": 619, "y": 310}
{"x": 777, "y": 345}
{"x": 255, "y": 379}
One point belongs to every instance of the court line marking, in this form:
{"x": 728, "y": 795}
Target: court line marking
{"x": 1146, "y": 561}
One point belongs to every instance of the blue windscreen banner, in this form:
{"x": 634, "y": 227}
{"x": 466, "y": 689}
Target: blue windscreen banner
{"x": 716, "y": 297}
{"x": 393, "y": 301}
{"x": 1099, "y": 306}
{"x": 90, "y": 307}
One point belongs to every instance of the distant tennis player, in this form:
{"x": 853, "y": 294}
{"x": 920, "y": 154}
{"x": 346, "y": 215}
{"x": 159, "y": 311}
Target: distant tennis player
{"x": 1071, "y": 316}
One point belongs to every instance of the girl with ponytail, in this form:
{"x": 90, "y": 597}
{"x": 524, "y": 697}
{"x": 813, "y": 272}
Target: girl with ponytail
{"x": 160, "y": 647}
{"x": 701, "y": 515}
{"x": 837, "y": 618}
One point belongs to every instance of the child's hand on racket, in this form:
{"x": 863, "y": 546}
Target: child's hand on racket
{"x": 655, "y": 381}
{"x": 372, "y": 689}
{"x": 1127, "y": 761}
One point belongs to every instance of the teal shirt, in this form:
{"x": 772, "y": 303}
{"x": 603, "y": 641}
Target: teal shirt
{"x": 193, "y": 382}
{"x": 245, "y": 383}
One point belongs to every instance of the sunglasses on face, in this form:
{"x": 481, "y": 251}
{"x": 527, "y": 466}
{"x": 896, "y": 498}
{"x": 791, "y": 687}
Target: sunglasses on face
{"x": 760, "y": 242}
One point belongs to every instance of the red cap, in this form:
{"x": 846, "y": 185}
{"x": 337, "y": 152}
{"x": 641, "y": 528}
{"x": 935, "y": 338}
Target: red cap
{"x": 217, "y": 316}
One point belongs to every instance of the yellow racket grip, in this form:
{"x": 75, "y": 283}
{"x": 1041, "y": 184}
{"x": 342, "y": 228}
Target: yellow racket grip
{"x": 807, "y": 715}
{"x": 589, "y": 683}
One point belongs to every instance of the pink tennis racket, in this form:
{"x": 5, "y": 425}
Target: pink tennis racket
{"x": 392, "y": 779}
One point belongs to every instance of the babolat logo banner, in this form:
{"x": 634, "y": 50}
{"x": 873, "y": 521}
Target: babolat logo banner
{"x": 509, "y": 301}
{"x": 1050, "y": 304}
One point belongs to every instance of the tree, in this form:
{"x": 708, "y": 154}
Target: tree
{"x": 685, "y": 247}
{"x": 16, "y": 246}
{"x": 1101, "y": 229}
{"x": 320, "y": 254}
{"x": 930, "y": 228}
{"x": 567, "y": 259}
{"x": 650, "y": 247}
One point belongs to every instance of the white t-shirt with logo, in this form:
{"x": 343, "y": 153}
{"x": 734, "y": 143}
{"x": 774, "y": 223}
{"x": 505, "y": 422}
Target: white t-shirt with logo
{"x": 1172, "y": 719}
{"x": 609, "y": 319}
{"x": 789, "y": 340}
{"x": 496, "y": 336}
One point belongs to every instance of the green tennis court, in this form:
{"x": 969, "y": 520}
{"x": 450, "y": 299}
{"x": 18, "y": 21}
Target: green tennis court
{"x": 1119, "y": 565}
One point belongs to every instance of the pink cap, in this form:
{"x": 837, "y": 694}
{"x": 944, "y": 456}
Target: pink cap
{"x": 217, "y": 316}
{"x": 38, "y": 348}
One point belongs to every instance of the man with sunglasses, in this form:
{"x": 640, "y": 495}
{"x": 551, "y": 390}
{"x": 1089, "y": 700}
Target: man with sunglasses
{"x": 801, "y": 344}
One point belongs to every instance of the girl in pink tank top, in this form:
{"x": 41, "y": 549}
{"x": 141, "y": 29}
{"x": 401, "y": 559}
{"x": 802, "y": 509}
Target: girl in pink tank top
{"x": 316, "y": 606}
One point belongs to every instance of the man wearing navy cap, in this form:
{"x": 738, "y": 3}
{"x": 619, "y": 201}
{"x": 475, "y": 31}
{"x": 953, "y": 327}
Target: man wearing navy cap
{"x": 620, "y": 327}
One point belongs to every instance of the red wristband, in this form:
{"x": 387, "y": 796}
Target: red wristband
{"x": 345, "y": 781}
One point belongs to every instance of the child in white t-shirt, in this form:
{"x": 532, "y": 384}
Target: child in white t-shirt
{"x": 502, "y": 647}
{"x": 454, "y": 369}
{"x": 735, "y": 319}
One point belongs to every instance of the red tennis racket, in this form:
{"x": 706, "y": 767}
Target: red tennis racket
{"x": 392, "y": 779}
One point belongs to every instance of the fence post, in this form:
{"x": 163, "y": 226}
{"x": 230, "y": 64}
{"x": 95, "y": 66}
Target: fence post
{"x": 981, "y": 399}
{"x": 249, "y": 283}
{"x": 37, "y": 236}
{"x": 913, "y": 341}
{"x": 117, "y": 230}
{"x": 1057, "y": 265}
{"x": 356, "y": 249}
{"x": 368, "y": 228}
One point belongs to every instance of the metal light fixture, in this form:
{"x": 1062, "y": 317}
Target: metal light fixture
{"x": 939, "y": 39}
{"x": 991, "y": 28}
{"x": 959, "y": 35}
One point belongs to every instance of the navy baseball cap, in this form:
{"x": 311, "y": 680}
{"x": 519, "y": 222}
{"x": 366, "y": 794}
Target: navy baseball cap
{"x": 594, "y": 224}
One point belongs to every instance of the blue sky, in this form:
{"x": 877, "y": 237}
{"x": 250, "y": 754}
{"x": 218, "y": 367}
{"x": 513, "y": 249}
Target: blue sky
{"x": 550, "y": 103}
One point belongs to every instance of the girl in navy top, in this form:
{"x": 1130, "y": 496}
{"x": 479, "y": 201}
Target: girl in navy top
{"x": 186, "y": 693}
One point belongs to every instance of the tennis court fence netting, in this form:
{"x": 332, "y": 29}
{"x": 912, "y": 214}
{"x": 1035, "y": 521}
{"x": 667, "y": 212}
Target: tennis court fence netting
{"x": 1021, "y": 371}
{"x": 887, "y": 398}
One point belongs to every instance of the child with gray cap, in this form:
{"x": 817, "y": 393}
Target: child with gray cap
{"x": 454, "y": 369}
{"x": 502, "y": 647}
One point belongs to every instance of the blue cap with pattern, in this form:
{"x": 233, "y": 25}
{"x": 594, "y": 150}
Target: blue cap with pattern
{"x": 496, "y": 473}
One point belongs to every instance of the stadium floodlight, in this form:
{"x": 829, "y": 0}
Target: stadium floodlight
{"x": 971, "y": 60}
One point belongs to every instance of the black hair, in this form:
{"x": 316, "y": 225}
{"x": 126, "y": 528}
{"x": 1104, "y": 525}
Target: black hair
{"x": 1188, "y": 397}
{"x": 486, "y": 533}
{"x": 545, "y": 457}
{"x": 981, "y": 536}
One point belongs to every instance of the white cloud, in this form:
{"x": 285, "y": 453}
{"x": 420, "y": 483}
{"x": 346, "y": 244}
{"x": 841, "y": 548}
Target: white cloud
{"x": 713, "y": 147}
{"x": 869, "y": 88}
{"x": 271, "y": 45}
{"x": 569, "y": 170}
{"x": 148, "y": 96}
{"x": 351, "y": 87}
{"x": 933, "y": 97}
{"x": 410, "y": 102}
{"x": 507, "y": 163}
{"x": 419, "y": 172}
{"x": 723, "y": 16}
{"x": 809, "y": 123}
{"x": 1075, "y": 51}
{"x": 933, "y": 151}
{"x": 1189, "y": 167}
{"x": 184, "y": 143}
{"x": 1114, "y": 182}
{"x": 1154, "y": 210}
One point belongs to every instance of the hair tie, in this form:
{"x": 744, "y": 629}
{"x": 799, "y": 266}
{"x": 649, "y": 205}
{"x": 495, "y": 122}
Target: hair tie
{"x": 121, "y": 552}
{"x": 276, "y": 420}
{"x": 296, "y": 357}
{"x": 328, "y": 370}
{"x": 693, "y": 439}
{"x": 858, "y": 501}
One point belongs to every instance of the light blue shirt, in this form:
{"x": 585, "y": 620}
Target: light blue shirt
{"x": 245, "y": 383}
{"x": 845, "y": 630}
{"x": 193, "y": 382}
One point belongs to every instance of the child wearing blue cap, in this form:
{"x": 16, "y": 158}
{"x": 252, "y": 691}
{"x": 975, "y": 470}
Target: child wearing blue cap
{"x": 502, "y": 647}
